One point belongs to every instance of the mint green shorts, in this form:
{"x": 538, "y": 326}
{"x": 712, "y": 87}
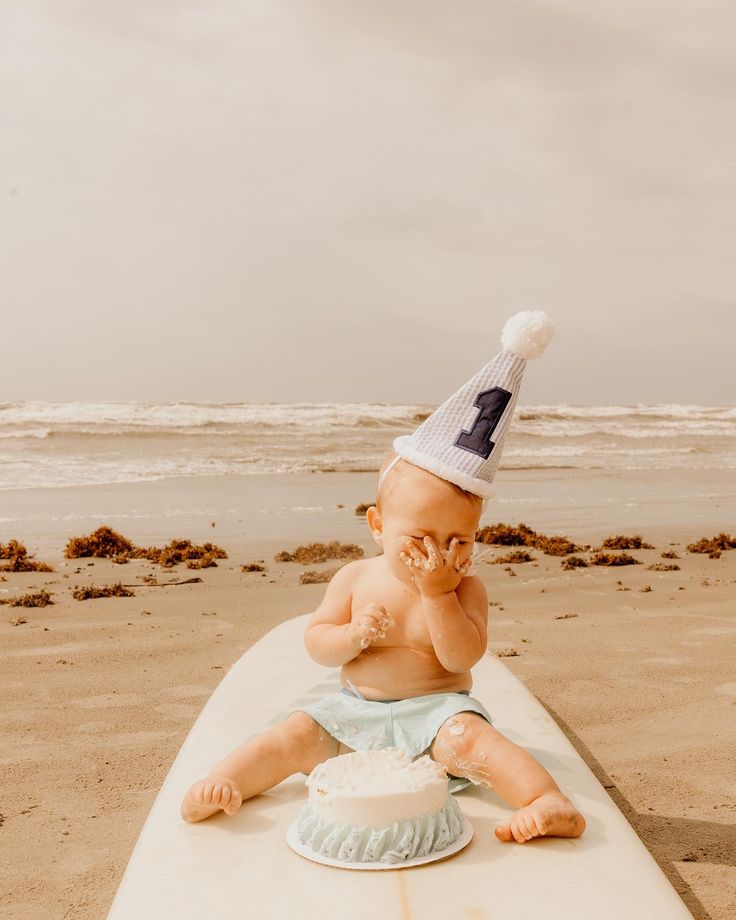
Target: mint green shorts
{"x": 409, "y": 724}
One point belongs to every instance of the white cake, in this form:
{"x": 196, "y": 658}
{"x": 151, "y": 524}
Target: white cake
{"x": 371, "y": 806}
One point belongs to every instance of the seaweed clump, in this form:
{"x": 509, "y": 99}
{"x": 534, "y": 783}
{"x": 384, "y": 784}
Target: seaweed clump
{"x": 622, "y": 542}
{"x": 519, "y": 555}
{"x": 321, "y": 552}
{"x": 574, "y": 562}
{"x": 40, "y": 598}
{"x": 663, "y": 567}
{"x": 106, "y": 542}
{"x": 86, "y": 592}
{"x": 12, "y": 548}
{"x": 20, "y": 561}
{"x": 506, "y": 535}
{"x": 252, "y": 567}
{"x": 713, "y": 545}
{"x": 523, "y": 535}
{"x": 314, "y": 577}
{"x": 613, "y": 559}
{"x": 101, "y": 543}
{"x": 363, "y": 507}
{"x": 203, "y": 557}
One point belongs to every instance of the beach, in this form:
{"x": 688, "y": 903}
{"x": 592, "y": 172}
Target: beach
{"x": 100, "y": 694}
{"x": 249, "y": 250}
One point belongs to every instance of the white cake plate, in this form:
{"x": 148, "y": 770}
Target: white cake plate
{"x": 292, "y": 838}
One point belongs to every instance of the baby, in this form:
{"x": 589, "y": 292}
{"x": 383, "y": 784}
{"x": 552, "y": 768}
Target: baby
{"x": 405, "y": 627}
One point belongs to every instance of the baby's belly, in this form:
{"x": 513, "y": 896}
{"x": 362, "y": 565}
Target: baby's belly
{"x": 388, "y": 672}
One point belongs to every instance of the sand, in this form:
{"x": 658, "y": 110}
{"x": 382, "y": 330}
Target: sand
{"x": 99, "y": 695}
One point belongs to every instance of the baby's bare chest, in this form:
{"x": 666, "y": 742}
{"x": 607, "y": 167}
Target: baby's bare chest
{"x": 405, "y": 609}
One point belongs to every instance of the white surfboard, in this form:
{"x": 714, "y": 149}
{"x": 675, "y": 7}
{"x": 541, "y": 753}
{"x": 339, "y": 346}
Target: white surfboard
{"x": 241, "y": 866}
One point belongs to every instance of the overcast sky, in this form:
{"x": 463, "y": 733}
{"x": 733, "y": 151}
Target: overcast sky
{"x": 321, "y": 200}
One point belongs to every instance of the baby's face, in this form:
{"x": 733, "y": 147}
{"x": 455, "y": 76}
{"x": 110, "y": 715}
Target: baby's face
{"x": 420, "y": 507}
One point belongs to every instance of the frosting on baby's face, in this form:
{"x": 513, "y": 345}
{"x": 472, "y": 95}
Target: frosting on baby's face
{"x": 420, "y": 504}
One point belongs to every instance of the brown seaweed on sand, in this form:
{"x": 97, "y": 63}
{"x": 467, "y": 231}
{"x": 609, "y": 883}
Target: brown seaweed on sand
{"x": 40, "y": 598}
{"x": 622, "y": 542}
{"x": 253, "y": 567}
{"x": 712, "y": 544}
{"x": 177, "y": 551}
{"x": 613, "y": 559}
{"x": 12, "y": 548}
{"x": 25, "y": 564}
{"x": 574, "y": 562}
{"x": 663, "y": 567}
{"x": 523, "y": 535}
{"x": 20, "y": 561}
{"x": 320, "y": 552}
{"x": 519, "y": 555}
{"x": 505, "y": 535}
{"x": 106, "y": 542}
{"x": 312, "y": 577}
{"x": 363, "y": 507}
{"x": 101, "y": 543}
{"x": 87, "y": 592}
{"x": 669, "y": 554}
{"x": 205, "y": 561}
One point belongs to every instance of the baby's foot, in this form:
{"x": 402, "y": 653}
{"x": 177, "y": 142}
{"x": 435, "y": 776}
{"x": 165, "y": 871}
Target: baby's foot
{"x": 206, "y": 796}
{"x": 552, "y": 814}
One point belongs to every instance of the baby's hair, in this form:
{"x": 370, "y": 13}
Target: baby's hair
{"x": 388, "y": 482}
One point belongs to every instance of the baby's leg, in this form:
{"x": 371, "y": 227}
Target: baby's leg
{"x": 297, "y": 744}
{"x": 470, "y": 746}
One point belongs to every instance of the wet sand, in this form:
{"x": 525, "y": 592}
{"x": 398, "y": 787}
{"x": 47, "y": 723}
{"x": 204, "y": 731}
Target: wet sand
{"x": 99, "y": 694}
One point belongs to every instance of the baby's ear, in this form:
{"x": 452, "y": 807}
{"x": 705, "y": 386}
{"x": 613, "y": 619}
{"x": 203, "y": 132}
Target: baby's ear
{"x": 373, "y": 519}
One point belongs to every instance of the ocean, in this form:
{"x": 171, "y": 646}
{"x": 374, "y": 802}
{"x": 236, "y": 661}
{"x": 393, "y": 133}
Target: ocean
{"x": 47, "y": 445}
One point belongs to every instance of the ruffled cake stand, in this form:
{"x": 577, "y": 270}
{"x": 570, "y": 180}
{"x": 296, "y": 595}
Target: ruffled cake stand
{"x": 466, "y": 835}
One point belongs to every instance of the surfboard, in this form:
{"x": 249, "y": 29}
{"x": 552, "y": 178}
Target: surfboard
{"x": 242, "y": 866}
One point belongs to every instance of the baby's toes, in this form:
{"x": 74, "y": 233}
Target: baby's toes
{"x": 207, "y": 793}
{"x": 211, "y": 793}
{"x": 221, "y": 794}
{"x": 503, "y": 832}
{"x": 231, "y": 801}
{"x": 198, "y": 792}
{"x": 525, "y": 826}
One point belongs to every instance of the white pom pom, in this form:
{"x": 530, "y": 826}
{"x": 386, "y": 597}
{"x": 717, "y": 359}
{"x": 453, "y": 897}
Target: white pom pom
{"x": 527, "y": 334}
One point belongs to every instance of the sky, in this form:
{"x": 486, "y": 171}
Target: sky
{"x": 321, "y": 201}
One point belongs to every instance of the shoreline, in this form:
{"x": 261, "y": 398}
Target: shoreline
{"x": 263, "y": 510}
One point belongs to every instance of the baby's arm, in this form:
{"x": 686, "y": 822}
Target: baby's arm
{"x": 333, "y": 636}
{"x": 455, "y": 608}
{"x": 457, "y": 624}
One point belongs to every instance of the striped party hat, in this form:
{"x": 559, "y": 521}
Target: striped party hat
{"x": 462, "y": 440}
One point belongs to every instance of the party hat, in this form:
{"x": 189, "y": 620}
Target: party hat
{"x": 463, "y": 439}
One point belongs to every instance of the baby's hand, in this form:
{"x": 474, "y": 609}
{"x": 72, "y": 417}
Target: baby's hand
{"x": 368, "y": 624}
{"x": 437, "y": 572}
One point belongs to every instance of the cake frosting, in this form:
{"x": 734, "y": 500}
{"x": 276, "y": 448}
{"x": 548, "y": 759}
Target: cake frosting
{"x": 378, "y": 805}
